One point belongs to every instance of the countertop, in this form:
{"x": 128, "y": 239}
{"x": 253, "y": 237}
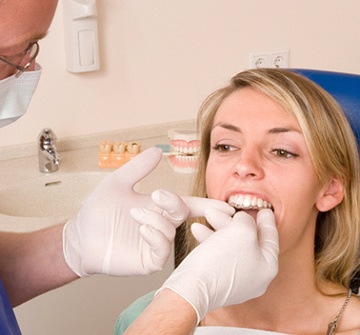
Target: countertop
{"x": 83, "y": 157}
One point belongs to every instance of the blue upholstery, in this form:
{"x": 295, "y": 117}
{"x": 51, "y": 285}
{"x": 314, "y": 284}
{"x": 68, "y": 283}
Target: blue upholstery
{"x": 345, "y": 88}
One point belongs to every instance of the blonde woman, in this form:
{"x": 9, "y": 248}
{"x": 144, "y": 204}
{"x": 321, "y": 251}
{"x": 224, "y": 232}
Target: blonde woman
{"x": 272, "y": 138}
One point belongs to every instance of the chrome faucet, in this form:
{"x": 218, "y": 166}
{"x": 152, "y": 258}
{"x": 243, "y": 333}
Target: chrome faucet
{"x": 49, "y": 159}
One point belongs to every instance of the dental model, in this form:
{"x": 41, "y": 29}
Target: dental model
{"x": 248, "y": 202}
{"x": 119, "y": 147}
{"x": 185, "y": 147}
{"x": 118, "y": 155}
{"x": 133, "y": 148}
{"x": 105, "y": 154}
{"x": 105, "y": 147}
{"x": 113, "y": 155}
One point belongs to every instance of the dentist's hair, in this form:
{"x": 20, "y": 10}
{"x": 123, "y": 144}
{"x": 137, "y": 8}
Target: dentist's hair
{"x": 334, "y": 153}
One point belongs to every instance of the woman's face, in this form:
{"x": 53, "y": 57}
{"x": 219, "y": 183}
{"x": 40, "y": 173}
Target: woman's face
{"x": 259, "y": 155}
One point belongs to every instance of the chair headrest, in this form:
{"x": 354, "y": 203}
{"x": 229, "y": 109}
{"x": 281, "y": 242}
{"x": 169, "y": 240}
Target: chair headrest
{"x": 345, "y": 88}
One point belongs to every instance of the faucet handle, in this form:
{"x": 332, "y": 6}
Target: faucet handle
{"x": 47, "y": 138}
{"x": 49, "y": 158}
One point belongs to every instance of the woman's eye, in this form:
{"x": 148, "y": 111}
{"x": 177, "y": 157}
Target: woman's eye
{"x": 284, "y": 153}
{"x": 223, "y": 147}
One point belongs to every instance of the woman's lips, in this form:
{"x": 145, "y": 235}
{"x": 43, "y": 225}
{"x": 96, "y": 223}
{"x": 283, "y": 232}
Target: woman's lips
{"x": 247, "y": 201}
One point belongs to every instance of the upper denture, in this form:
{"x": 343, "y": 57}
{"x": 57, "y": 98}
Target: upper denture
{"x": 184, "y": 141}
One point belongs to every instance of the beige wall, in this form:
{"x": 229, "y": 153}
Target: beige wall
{"x": 160, "y": 58}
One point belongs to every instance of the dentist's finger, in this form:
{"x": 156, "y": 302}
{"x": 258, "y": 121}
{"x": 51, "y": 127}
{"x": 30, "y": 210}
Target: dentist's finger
{"x": 138, "y": 167}
{"x": 159, "y": 245}
{"x": 201, "y": 232}
{"x": 171, "y": 206}
{"x": 248, "y": 225}
{"x": 198, "y": 206}
{"x": 155, "y": 220}
{"x": 217, "y": 219}
{"x": 268, "y": 235}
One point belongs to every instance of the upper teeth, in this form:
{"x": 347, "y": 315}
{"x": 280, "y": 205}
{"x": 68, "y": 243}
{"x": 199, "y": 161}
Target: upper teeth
{"x": 248, "y": 202}
{"x": 186, "y": 150}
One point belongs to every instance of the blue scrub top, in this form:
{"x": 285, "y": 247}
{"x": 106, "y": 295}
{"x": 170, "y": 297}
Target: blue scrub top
{"x": 8, "y": 323}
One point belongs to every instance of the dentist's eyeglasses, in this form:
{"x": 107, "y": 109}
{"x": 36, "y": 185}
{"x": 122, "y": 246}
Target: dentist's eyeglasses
{"x": 22, "y": 60}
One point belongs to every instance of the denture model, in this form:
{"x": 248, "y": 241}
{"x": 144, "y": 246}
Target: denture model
{"x": 185, "y": 147}
{"x": 113, "y": 155}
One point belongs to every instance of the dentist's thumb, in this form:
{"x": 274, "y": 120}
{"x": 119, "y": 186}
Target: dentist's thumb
{"x": 268, "y": 237}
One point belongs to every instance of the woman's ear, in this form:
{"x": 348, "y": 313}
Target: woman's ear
{"x": 331, "y": 195}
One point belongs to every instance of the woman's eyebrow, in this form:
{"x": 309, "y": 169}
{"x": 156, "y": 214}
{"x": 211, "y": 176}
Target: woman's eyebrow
{"x": 275, "y": 130}
{"x": 279, "y": 130}
{"x": 227, "y": 126}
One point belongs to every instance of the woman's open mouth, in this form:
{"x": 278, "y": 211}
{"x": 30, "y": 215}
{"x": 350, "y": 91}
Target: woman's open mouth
{"x": 246, "y": 202}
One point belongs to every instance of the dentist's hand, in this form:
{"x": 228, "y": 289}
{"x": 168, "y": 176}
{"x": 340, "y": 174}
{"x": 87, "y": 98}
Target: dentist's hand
{"x": 170, "y": 212}
{"x": 234, "y": 264}
{"x": 104, "y": 237}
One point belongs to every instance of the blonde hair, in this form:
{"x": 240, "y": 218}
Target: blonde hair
{"x": 334, "y": 152}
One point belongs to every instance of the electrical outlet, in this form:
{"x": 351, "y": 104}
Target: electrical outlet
{"x": 274, "y": 59}
{"x": 257, "y": 60}
{"x": 279, "y": 59}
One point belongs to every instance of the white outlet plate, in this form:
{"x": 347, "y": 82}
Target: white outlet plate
{"x": 258, "y": 60}
{"x": 274, "y": 59}
{"x": 279, "y": 59}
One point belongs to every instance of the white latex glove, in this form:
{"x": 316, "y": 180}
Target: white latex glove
{"x": 172, "y": 208}
{"x": 104, "y": 238}
{"x": 234, "y": 264}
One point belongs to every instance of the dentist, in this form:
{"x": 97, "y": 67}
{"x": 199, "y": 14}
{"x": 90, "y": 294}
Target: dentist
{"x": 97, "y": 239}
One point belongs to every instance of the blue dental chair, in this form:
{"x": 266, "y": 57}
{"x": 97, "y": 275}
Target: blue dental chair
{"x": 345, "y": 88}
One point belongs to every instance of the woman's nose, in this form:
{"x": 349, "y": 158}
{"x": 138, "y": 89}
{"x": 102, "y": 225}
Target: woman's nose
{"x": 248, "y": 165}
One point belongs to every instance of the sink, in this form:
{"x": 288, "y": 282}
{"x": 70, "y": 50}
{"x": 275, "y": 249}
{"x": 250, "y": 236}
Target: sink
{"x": 58, "y": 195}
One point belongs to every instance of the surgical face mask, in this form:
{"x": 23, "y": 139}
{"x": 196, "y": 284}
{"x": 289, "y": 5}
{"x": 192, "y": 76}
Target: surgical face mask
{"x": 16, "y": 94}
